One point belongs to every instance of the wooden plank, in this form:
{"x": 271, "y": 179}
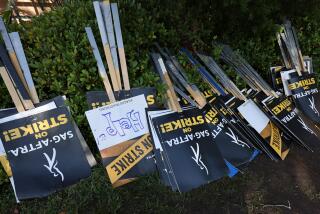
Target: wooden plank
{"x": 17, "y": 45}
{"x": 23, "y": 93}
{"x": 105, "y": 44}
{"x": 12, "y": 90}
{"x": 101, "y": 68}
{"x": 197, "y": 96}
{"x": 167, "y": 80}
{"x": 122, "y": 56}
{"x": 12, "y": 53}
{"x": 106, "y": 11}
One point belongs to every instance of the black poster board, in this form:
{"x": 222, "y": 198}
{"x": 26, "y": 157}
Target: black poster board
{"x": 44, "y": 152}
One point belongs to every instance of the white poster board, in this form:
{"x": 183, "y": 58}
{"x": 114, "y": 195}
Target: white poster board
{"x": 254, "y": 116}
{"x": 119, "y": 121}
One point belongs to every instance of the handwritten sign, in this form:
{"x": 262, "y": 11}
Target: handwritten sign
{"x": 118, "y": 122}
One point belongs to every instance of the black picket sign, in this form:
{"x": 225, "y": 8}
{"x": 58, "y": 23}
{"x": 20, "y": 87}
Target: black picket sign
{"x": 97, "y": 99}
{"x": 7, "y": 112}
{"x": 194, "y": 157}
{"x": 233, "y": 146}
{"x": 299, "y": 126}
{"x": 306, "y": 95}
{"x": 276, "y": 78}
{"x": 44, "y": 152}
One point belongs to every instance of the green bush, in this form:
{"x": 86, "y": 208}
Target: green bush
{"x": 62, "y": 63}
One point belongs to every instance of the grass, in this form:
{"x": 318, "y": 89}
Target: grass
{"x": 263, "y": 182}
{"x": 145, "y": 195}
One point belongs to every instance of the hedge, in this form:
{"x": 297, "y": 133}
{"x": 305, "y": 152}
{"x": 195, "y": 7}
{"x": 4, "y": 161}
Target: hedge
{"x": 61, "y": 60}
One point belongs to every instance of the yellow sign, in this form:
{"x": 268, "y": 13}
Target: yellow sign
{"x": 276, "y": 142}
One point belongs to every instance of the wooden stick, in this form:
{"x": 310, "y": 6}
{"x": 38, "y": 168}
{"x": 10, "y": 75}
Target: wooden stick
{"x": 106, "y": 11}
{"x": 101, "y": 68}
{"x": 23, "y": 93}
{"x": 12, "y": 54}
{"x": 194, "y": 93}
{"x": 5, "y": 164}
{"x": 294, "y": 33}
{"x": 122, "y": 56}
{"x": 185, "y": 96}
{"x": 17, "y": 45}
{"x": 283, "y": 53}
{"x": 106, "y": 47}
{"x": 12, "y": 91}
{"x": 167, "y": 80}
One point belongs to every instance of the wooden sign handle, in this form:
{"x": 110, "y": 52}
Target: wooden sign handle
{"x": 17, "y": 45}
{"x": 106, "y": 11}
{"x": 106, "y": 47}
{"x": 12, "y": 90}
{"x": 172, "y": 94}
{"x": 101, "y": 68}
{"x": 122, "y": 56}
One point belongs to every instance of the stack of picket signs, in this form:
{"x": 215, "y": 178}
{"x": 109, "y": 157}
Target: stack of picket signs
{"x": 198, "y": 137}
{"x": 118, "y": 115}
{"x": 37, "y": 138}
{"x": 195, "y": 138}
{"x": 268, "y": 118}
{"x": 296, "y": 78}
{"x": 195, "y": 144}
{"x": 207, "y": 140}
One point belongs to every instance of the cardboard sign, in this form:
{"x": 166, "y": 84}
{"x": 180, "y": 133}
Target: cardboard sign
{"x": 12, "y": 115}
{"x": 193, "y": 157}
{"x": 97, "y": 99}
{"x": 276, "y": 77}
{"x": 58, "y": 101}
{"x": 44, "y": 152}
{"x": 118, "y": 122}
{"x": 306, "y": 95}
{"x": 129, "y": 158}
{"x": 23, "y": 115}
{"x": 267, "y": 129}
{"x": 233, "y": 145}
{"x": 255, "y": 117}
{"x": 298, "y": 125}
{"x": 164, "y": 170}
{"x": 134, "y": 130}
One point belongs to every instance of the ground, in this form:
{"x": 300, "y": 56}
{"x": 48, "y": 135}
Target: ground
{"x": 264, "y": 187}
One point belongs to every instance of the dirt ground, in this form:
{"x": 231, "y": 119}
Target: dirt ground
{"x": 291, "y": 185}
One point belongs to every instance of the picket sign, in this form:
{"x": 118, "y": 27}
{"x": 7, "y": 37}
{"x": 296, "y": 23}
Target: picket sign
{"x": 24, "y": 114}
{"x": 21, "y": 143}
{"x": 302, "y": 84}
{"x": 118, "y": 122}
{"x": 254, "y": 116}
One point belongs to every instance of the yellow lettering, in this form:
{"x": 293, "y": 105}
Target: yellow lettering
{"x": 62, "y": 118}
